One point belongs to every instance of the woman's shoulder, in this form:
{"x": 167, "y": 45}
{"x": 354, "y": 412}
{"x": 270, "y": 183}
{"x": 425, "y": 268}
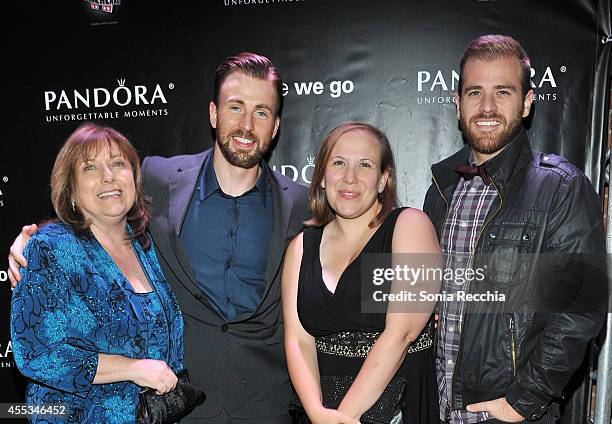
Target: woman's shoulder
{"x": 56, "y": 240}
{"x": 411, "y": 216}
{"x": 296, "y": 244}
{"x": 312, "y": 231}
{"x": 414, "y": 232}
{"x": 53, "y": 233}
{"x": 53, "y": 251}
{"x": 402, "y": 217}
{"x": 312, "y": 239}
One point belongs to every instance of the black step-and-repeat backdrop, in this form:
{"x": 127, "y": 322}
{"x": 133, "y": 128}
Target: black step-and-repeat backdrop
{"x": 146, "y": 68}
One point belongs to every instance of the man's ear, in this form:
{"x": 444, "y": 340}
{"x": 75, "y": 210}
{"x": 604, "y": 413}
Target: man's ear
{"x": 457, "y": 100}
{"x": 527, "y": 102}
{"x": 212, "y": 114}
{"x": 276, "y": 125}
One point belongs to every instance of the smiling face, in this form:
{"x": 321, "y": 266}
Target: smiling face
{"x": 353, "y": 177}
{"x": 245, "y": 119}
{"x": 105, "y": 188}
{"x": 491, "y": 106}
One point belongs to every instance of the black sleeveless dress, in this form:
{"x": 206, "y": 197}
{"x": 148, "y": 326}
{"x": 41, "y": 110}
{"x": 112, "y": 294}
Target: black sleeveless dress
{"x": 344, "y": 334}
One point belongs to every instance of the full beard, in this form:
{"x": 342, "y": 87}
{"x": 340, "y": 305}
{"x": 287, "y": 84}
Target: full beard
{"x": 240, "y": 159}
{"x": 490, "y": 143}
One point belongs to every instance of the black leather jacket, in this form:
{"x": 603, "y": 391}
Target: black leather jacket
{"x": 545, "y": 206}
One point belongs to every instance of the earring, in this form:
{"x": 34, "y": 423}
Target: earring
{"x": 323, "y": 184}
{"x": 72, "y": 203}
{"x": 381, "y": 189}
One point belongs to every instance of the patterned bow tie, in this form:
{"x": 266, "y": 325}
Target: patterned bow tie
{"x": 470, "y": 171}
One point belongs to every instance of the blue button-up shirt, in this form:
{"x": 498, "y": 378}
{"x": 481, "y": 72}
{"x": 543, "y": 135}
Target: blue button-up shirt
{"x": 226, "y": 239}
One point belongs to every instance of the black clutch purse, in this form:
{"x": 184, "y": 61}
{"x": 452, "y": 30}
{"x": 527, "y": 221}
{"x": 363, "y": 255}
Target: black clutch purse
{"x": 170, "y": 407}
{"x": 386, "y": 410}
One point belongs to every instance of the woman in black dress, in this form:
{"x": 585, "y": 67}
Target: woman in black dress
{"x": 347, "y": 365}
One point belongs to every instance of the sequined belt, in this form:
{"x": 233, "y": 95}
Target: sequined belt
{"x": 353, "y": 344}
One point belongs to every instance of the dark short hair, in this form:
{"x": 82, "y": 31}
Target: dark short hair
{"x": 253, "y": 65}
{"x": 87, "y": 139}
{"x": 321, "y": 212}
{"x": 491, "y": 47}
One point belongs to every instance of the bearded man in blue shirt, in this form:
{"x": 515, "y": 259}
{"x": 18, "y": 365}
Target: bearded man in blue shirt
{"x": 220, "y": 221}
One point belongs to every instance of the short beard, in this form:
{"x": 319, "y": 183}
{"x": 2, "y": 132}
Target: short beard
{"x": 488, "y": 144}
{"x": 246, "y": 160}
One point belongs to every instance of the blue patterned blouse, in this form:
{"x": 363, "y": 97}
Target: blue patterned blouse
{"x": 73, "y": 302}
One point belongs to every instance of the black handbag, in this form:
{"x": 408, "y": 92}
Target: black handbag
{"x": 170, "y": 407}
{"x": 386, "y": 410}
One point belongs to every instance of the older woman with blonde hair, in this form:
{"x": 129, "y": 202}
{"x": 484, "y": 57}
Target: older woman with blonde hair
{"x": 93, "y": 320}
{"x": 346, "y": 363}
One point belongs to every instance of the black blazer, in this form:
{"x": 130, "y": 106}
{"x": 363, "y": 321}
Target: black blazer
{"x": 239, "y": 364}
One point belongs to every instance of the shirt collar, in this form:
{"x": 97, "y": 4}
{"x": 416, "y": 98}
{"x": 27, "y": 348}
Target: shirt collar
{"x": 209, "y": 183}
{"x": 502, "y": 165}
{"x": 514, "y": 157}
{"x": 472, "y": 162}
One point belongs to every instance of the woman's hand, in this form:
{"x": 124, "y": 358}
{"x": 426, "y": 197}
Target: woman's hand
{"x": 154, "y": 374}
{"x": 332, "y": 416}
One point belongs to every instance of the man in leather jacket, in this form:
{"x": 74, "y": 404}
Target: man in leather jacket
{"x": 530, "y": 222}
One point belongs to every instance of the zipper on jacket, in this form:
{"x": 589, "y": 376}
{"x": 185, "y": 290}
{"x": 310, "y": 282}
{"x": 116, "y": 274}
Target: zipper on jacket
{"x": 512, "y": 342}
{"x": 433, "y": 177}
{"x": 463, "y": 318}
{"x": 447, "y": 413}
{"x": 441, "y": 233}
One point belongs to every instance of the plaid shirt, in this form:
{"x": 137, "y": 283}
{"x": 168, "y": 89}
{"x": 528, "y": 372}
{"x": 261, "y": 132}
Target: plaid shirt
{"x": 472, "y": 200}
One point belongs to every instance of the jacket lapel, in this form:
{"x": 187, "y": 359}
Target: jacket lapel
{"x": 282, "y": 204}
{"x": 445, "y": 175}
{"x": 182, "y": 184}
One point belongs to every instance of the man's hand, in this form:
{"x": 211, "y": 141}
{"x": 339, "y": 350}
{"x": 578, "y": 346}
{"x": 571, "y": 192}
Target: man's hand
{"x": 16, "y": 260}
{"x": 499, "y": 408}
